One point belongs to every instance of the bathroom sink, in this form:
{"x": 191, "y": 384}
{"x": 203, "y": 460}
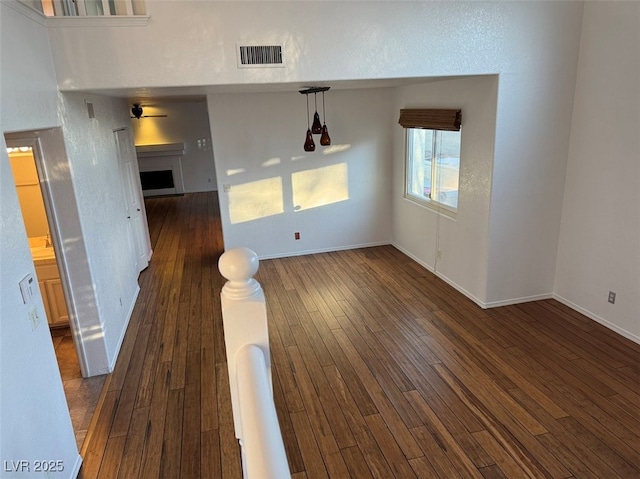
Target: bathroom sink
{"x": 42, "y": 252}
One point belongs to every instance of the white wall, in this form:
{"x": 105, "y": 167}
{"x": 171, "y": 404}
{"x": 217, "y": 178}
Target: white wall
{"x": 532, "y": 46}
{"x": 72, "y": 248}
{"x": 420, "y": 231}
{"x": 188, "y": 123}
{"x": 532, "y": 138}
{"x": 34, "y": 419}
{"x": 337, "y": 40}
{"x": 100, "y": 196}
{"x": 28, "y": 88}
{"x": 261, "y": 136}
{"x": 599, "y": 248}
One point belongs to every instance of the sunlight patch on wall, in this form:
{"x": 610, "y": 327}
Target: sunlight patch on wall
{"x": 320, "y": 186}
{"x": 335, "y": 149}
{"x": 255, "y": 200}
{"x": 271, "y": 162}
{"x": 235, "y": 171}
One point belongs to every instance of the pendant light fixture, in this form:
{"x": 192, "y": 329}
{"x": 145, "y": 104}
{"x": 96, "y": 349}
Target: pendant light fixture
{"x": 317, "y": 127}
{"x": 309, "y": 145}
{"x": 325, "y": 139}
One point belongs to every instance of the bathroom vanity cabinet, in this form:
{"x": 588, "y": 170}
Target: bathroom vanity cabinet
{"x": 52, "y": 292}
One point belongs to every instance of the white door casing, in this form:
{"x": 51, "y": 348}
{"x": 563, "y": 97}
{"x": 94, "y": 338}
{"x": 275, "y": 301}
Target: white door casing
{"x": 133, "y": 193}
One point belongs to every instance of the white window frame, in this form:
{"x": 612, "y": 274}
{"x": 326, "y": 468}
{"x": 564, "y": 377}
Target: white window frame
{"x": 428, "y": 202}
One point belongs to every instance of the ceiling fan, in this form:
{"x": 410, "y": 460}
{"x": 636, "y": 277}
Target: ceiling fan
{"x": 136, "y": 111}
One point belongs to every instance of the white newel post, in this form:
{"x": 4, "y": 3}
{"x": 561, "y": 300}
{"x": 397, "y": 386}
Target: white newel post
{"x": 244, "y": 316}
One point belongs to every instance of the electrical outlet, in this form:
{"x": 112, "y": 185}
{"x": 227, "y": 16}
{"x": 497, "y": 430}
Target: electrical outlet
{"x": 612, "y": 297}
{"x": 296, "y": 235}
{"x": 34, "y": 319}
{"x": 226, "y": 188}
{"x": 439, "y": 254}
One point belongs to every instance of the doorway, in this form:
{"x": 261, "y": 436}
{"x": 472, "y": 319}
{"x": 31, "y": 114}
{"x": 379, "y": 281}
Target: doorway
{"x": 29, "y": 175}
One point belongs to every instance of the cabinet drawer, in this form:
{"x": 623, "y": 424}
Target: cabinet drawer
{"x": 47, "y": 271}
{"x": 57, "y": 304}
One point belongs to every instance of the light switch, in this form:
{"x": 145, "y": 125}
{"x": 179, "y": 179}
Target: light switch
{"x": 27, "y": 288}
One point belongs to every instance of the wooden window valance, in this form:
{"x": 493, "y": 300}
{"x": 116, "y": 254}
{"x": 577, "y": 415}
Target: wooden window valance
{"x": 449, "y": 120}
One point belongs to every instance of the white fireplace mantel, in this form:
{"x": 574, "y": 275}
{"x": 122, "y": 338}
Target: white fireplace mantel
{"x": 165, "y": 149}
{"x": 166, "y": 156}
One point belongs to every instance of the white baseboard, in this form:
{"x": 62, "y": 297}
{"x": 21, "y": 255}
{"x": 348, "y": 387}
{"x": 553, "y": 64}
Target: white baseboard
{"x": 76, "y": 468}
{"x": 509, "y": 302}
{"x": 413, "y": 257}
{"x": 598, "y": 319}
{"x": 112, "y": 360}
{"x": 322, "y": 250}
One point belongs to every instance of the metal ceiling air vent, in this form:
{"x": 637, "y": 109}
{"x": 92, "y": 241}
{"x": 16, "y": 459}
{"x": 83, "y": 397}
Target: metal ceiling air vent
{"x": 260, "y": 56}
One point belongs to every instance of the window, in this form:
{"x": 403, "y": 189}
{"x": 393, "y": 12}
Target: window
{"x": 432, "y": 157}
{"x": 433, "y": 166}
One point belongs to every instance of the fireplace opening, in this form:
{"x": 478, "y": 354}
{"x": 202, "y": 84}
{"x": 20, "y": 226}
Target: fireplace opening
{"x": 156, "y": 180}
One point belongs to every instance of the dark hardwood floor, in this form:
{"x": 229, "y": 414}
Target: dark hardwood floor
{"x": 380, "y": 369}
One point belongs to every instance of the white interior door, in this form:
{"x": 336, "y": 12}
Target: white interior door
{"x": 131, "y": 183}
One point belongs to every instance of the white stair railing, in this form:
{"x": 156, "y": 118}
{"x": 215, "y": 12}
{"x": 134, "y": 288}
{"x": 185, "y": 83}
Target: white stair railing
{"x": 244, "y": 316}
{"x": 90, "y": 8}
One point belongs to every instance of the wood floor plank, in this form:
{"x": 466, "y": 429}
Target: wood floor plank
{"x": 571, "y": 448}
{"x": 446, "y": 440}
{"x": 365, "y": 440}
{"x": 382, "y": 402}
{"x": 171, "y": 446}
{"x": 210, "y": 463}
{"x": 112, "y": 459}
{"x": 505, "y": 428}
{"x": 339, "y": 428}
{"x": 191, "y": 427}
{"x": 379, "y": 360}
{"x": 624, "y": 468}
{"x": 95, "y": 451}
{"x": 169, "y": 329}
{"x": 311, "y": 455}
{"x": 459, "y": 419}
{"x": 507, "y": 464}
{"x": 116, "y": 379}
{"x": 390, "y": 448}
{"x": 292, "y": 450}
{"x": 179, "y": 358}
{"x": 423, "y": 468}
{"x": 575, "y": 398}
{"x": 152, "y": 453}
{"x": 130, "y": 466}
{"x": 580, "y": 463}
{"x": 208, "y": 391}
{"x": 127, "y": 396}
{"x": 435, "y": 457}
{"x": 317, "y": 416}
{"x": 356, "y": 463}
